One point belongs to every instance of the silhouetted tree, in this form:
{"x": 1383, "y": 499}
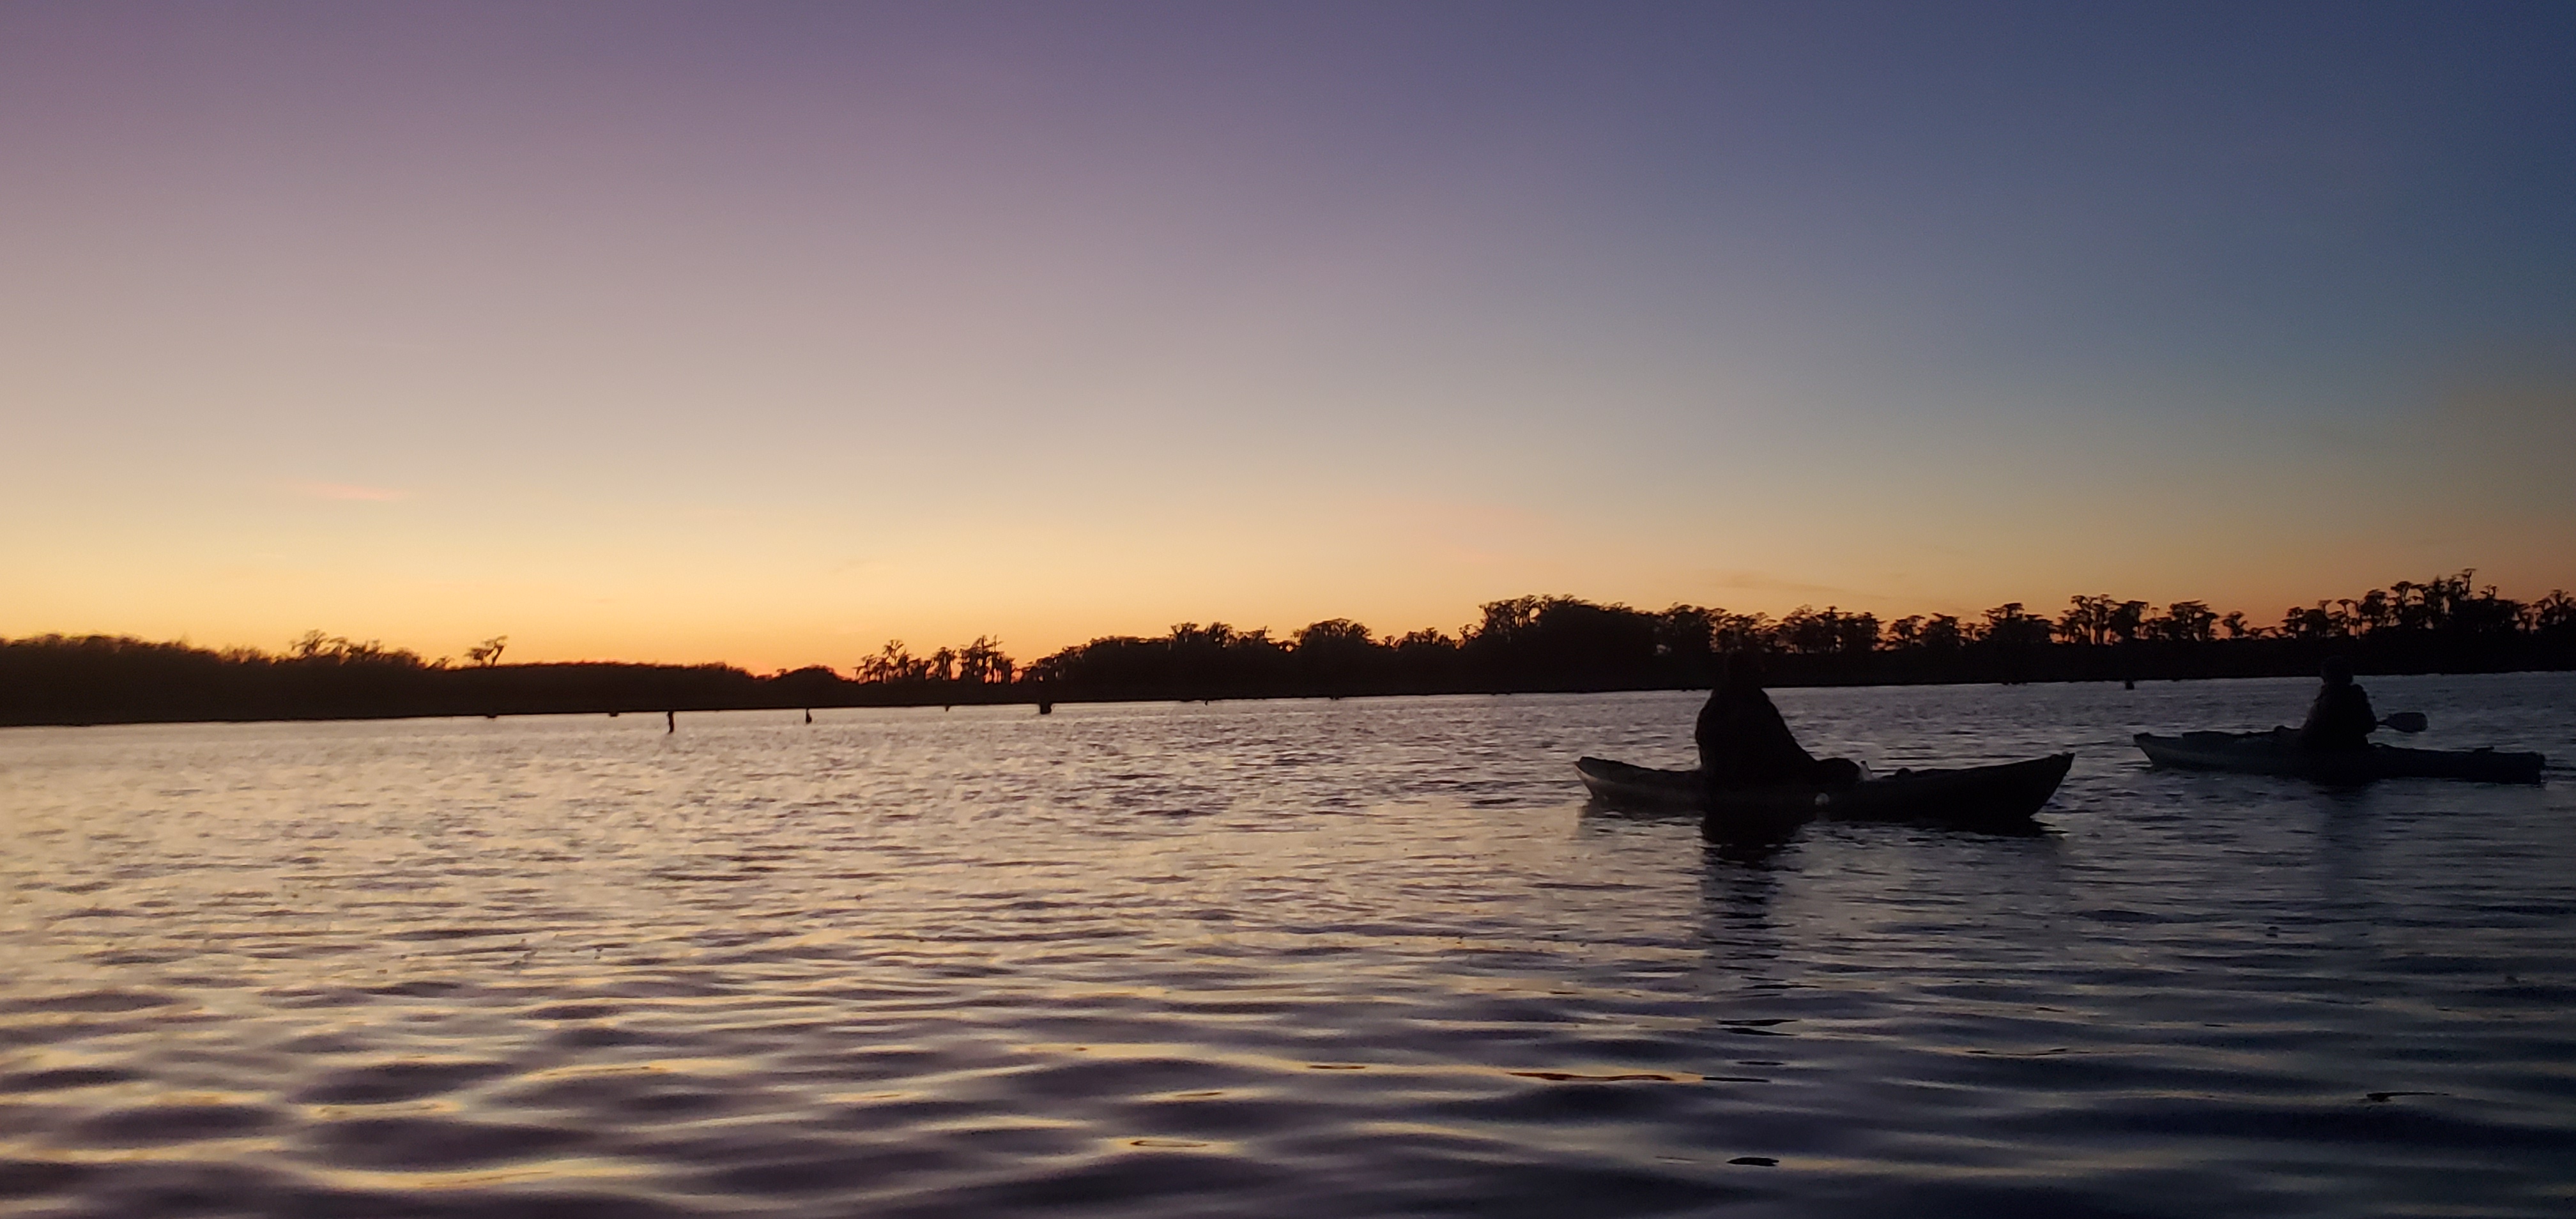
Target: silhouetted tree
{"x": 1826, "y": 632}
{"x": 983, "y": 662}
{"x": 812, "y": 686}
{"x": 1562, "y": 643}
{"x": 2183, "y": 622}
{"x": 2485, "y": 614}
{"x": 2101, "y": 619}
{"x": 2553, "y": 613}
{"x": 893, "y": 663}
{"x": 1739, "y": 632}
{"x": 1426, "y": 638}
{"x": 1336, "y": 656}
{"x": 2127, "y": 619}
{"x": 2007, "y": 626}
{"x": 1331, "y": 633}
{"x": 2086, "y": 620}
{"x": 2319, "y": 621}
{"x": 1684, "y": 638}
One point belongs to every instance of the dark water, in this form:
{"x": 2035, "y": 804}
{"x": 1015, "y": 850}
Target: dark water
{"x": 1311, "y": 959}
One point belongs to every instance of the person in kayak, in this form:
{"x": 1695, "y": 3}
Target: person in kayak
{"x": 1743, "y": 742}
{"x": 2341, "y": 720}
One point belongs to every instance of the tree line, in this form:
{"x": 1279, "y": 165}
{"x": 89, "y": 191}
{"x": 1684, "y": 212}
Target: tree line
{"x": 1565, "y": 643}
{"x": 1523, "y": 644}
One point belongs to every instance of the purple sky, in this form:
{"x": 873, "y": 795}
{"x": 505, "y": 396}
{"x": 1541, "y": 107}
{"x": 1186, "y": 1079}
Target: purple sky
{"x": 767, "y": 332}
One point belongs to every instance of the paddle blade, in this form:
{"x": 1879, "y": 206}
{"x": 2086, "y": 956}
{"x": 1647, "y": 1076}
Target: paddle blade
{"x": 2405, "y": 721}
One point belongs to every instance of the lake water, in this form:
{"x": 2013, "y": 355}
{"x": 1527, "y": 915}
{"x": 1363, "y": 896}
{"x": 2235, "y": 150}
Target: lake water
{"x": 1368, "y": 957}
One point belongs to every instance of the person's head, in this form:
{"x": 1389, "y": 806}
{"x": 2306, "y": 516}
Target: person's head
{"x": 1743, "y": 667}
{"x": 2336, "y": 671}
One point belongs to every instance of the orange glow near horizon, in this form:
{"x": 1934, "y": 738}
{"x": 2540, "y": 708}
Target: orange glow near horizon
{"x": 767, "y": 612}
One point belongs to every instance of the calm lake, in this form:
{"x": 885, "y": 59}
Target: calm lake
{"x": 1368, "y": 957}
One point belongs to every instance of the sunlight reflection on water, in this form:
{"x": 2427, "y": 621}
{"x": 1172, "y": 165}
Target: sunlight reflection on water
{"x": 1361, "y": 957}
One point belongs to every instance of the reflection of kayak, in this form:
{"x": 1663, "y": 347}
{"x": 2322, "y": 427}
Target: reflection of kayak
{"x": 2277, "y": 753}
{"x": 2002, "y": 796}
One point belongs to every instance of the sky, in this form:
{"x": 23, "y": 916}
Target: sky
{"x": 765, "y": 333}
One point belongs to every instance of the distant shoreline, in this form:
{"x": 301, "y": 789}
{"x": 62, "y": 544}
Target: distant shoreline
{"x": 1787, "y": 674}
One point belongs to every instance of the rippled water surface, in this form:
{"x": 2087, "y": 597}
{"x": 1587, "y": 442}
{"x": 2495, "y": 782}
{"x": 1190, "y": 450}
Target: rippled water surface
{"x": 1307, "y": 958}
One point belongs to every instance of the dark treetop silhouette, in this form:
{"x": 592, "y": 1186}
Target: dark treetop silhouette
{"x": 1524, "y": 644}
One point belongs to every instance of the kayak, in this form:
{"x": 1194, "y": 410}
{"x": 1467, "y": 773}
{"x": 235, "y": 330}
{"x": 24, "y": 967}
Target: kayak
{"x": 1994, "y": 797}
{"x": 2277, "y": 753}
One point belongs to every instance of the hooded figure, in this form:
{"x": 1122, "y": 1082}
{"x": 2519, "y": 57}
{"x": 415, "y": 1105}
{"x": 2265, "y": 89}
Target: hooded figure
{"x": 1743, "y": 742}
{"x": 2341, "y": 720}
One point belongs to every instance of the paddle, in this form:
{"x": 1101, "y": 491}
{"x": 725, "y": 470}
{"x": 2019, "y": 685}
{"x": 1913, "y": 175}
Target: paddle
{"x": 2405, "y": 721}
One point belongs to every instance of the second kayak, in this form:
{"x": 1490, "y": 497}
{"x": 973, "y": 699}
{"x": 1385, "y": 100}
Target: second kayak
{"x": 2277, "y": 753}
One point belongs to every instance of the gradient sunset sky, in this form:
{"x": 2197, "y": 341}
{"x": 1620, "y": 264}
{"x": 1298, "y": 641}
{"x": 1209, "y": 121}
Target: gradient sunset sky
{"x": 767, "y": 332}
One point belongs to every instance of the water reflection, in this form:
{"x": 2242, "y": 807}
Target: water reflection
{"x": 1365, "y": 957}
